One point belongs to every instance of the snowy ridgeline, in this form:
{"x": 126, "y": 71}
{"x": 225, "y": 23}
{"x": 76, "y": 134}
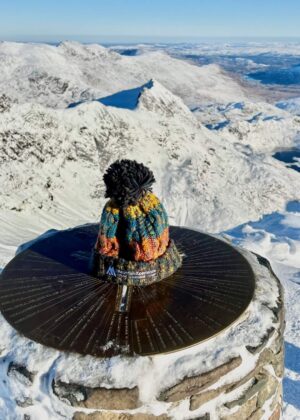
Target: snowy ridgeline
{"x": 208, "y": 139}
{"x": 71, "y": 72}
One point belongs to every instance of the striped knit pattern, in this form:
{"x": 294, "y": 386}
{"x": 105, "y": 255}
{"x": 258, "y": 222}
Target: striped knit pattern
{"x": 137, "y": 273}
{"x": 145, "y": 226}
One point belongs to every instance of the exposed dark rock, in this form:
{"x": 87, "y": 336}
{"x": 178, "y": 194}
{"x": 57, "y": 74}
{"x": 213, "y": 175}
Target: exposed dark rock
{"x": 71, "y": 393}
{"x": 263, "y": 342}
{"x": 26, "y": 402}
{"x": 5, "y": 103}
{"x": 21, "y": 373}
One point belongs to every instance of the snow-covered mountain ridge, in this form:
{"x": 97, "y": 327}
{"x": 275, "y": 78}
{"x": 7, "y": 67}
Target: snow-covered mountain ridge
{"x": 56, "y": 76}
{"x": 48, "y": 154}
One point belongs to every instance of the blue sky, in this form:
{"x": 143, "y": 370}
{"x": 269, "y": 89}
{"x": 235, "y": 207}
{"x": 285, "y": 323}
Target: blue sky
{"x": 109, "y": 20}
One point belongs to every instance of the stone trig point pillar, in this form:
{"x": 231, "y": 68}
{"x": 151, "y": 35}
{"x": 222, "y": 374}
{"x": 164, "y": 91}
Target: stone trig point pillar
{"x": 167, "y": 322}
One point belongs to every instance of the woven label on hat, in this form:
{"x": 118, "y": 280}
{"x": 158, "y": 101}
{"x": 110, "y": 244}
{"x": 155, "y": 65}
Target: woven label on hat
{"x": 136, "y": 274}
{"x": 111, "y": 271}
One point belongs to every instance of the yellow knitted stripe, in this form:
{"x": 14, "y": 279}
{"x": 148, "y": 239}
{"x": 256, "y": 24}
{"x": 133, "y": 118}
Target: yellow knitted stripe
{"x": 111, "y": 208}
{"x": 148, "y": 202}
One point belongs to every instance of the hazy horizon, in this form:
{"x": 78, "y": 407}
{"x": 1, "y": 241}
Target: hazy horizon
{"x": 117, "y": 20}
{"x": 110, "y": 40}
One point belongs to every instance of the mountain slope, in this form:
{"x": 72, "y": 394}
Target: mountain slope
{"x": 72, "y": 72}
{"x": 260, "y": 126}
{"x": 52, "y": 163}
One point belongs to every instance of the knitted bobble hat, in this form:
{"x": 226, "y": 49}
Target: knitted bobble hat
{"x": 133, "y": 245}
{"x": 134, "y": 224}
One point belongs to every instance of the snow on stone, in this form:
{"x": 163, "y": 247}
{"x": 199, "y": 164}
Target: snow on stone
{"x": 151, "y": 374}
{"x": 277, "y": 237}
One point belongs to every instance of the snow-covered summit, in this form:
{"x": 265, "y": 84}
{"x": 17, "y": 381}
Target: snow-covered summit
{"x": 127, "y": 99}
{"x": 86, "y": 52}
{"x": 156, "y": 98}
{"x": 56, "y": 76}
{"x": 151, "y": 96}
{"x": 52, "y": 162}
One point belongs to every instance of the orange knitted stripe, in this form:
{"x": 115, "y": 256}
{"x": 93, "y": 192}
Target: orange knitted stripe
{"x": 108, "y": 246}
{"x": 150, "y": 248}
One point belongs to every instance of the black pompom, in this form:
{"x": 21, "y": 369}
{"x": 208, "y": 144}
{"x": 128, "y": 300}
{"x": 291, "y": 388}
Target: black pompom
{"x": 127, "y": 180}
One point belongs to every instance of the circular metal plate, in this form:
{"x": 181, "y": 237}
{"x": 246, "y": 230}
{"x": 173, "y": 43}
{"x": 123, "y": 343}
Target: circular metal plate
{"x": 47, "y": 294}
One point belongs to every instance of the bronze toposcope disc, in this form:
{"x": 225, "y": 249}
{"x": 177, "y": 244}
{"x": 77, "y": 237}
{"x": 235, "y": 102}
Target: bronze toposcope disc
{"x": 47, "y": 294}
